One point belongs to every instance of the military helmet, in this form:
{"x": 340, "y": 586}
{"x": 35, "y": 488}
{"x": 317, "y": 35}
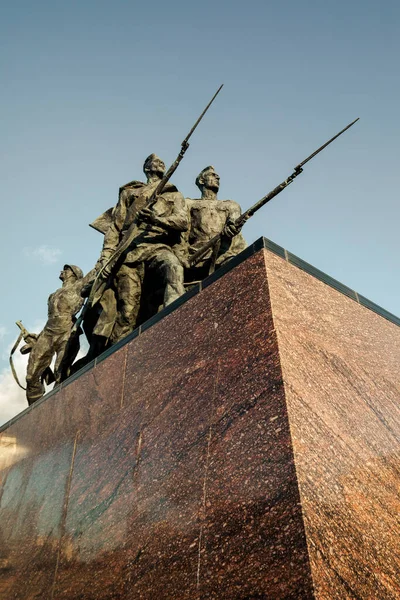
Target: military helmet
{"x": 76, "y": 270}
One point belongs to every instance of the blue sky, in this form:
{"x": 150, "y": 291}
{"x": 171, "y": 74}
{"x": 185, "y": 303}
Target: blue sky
{"x": 89, "y": 89}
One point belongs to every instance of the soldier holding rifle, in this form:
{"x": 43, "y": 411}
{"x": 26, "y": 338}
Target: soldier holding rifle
{"x": 159, "y": 229}
{"x": 145, "y": 235}
{"x": 63, "y": 305}
{"x": 210, "y": 216}
{"x": 196, "y": 257}
{"x": 211, "y": 240}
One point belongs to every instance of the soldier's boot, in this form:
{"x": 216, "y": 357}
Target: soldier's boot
{"x": 38, "y": 363}
{"x": 34, "y": 390}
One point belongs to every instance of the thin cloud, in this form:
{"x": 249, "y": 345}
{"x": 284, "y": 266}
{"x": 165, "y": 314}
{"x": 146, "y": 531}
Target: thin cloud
{"x": 3, "y": 331}
{"x": 12, "y": 397}
{"x": 44, "y": 254}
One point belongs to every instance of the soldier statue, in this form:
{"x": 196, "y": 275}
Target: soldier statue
{"x": 209, "y": 217}
{"x": 63, "y": 305}
{"x": 153, "y": 253}
{"x": 152, "y": 235}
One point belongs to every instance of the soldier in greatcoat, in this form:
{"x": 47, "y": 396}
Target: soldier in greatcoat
{"x": 154, "y": 252}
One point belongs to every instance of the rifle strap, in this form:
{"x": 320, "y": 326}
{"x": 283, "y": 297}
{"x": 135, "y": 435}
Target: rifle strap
{"x": 12, "y": 362}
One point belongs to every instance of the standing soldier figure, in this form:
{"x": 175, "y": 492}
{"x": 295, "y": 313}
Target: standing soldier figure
{"x": 153, "y": 251}
{"x": 63, "y": 305}
{"x": 208, "y": 218}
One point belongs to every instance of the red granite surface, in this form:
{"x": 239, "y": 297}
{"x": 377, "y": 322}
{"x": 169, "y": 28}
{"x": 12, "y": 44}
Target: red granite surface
{"x": 341, "y": 367}
{"x": 37, "y": 454}
{"x": 169, "y": 470}
{"x": 174, "y": 469}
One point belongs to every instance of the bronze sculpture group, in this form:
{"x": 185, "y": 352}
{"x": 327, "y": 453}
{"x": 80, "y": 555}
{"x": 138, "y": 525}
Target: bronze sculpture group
{"x": 150, "y": 275}
{"x": 156, "y": 244}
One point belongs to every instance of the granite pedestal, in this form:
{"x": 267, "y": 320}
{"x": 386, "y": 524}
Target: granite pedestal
{"x": 241, "y": 445}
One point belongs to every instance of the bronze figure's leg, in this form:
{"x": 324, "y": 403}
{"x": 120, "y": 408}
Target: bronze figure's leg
{"x": 60, "y": 346}
{"x": 168, "y": 267}
{"x": 128, "y": 283}
{"x": 39, "y": 359}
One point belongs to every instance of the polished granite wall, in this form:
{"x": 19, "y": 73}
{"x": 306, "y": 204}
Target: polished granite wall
{"x": 341, "y": 370}
{"x": 166, "y": 471}
{"x": 242, "y": 447}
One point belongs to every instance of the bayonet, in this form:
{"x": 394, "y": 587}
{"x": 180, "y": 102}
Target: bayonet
{"x": 100, "y": 282}
{"x": 240, "y": 221}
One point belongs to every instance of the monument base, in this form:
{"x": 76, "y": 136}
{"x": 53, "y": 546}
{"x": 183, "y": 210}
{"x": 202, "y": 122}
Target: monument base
{"x": 239, "y": 445}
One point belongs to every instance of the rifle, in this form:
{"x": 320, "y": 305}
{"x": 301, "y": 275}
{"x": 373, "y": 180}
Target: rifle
{"x": 240, "y": 221}
{"x": 100, "y": 282}
{"x": 30, "y": 340}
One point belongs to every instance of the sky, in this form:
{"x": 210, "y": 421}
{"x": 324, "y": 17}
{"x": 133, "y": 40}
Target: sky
{"x": 90, "y": 88}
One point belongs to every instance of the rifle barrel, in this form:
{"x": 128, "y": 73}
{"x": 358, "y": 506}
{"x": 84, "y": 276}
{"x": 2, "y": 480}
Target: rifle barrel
{"x": 202, "y": 115}
{"x": 240, "y": 221}
{"x": 98, "y": 283}
{"x": 325, "y": 145}
{"x": 184, "y": 146}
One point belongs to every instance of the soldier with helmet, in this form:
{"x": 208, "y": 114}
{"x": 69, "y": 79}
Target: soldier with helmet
{"x": 63, "y": 305}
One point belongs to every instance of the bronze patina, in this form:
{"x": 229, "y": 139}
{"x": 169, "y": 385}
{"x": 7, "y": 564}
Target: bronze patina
{"x": 210, "y": 217}
{"x": 63, "y": 305}
{"x": 155, "y": 243}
